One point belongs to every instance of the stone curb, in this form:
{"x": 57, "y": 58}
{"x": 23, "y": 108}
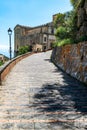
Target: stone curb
{"x": 6, "y": 68}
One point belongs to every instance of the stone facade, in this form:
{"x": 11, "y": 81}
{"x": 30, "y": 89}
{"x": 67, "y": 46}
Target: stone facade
{"x": 39, "y": 38}
{"x": 2, "y": 58}
{"x": 72, "y": 59}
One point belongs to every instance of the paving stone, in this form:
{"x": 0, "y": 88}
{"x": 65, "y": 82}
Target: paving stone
{"x": 7, "y": 126}
{"x": 36, "y": 95}
{"x": 25, "y": 126}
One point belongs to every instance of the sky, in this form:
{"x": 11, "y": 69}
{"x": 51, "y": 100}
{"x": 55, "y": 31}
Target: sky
{"x": 28, "y": 13}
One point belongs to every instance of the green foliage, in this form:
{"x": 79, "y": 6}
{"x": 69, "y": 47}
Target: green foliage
{"x": 72, "y": 24}
{"x": 61, "y": 32}
{"x": 59, "y": 19}
{"x": 66, "y": 25}
{"x": 82, "y": 38}
{"x": 1, "y": 63}
{"x": 75, "y": 3}
{"x": 63, "y": 42}
{"x": 67, "y": 29}
{"x": 23, "y": 50}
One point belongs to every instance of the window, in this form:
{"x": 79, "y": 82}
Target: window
{"x": 52, "y": 31}
{"x": 45, "y": 39}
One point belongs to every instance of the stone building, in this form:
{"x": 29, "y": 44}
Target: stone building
{"x": 39, "y": 38}
{"x": 2, "y": 58}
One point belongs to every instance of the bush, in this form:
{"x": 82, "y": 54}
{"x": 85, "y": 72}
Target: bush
{"x": 23, "y": 50}
{"x": 63, "y": 42}
{"x": 61, "y": 32}
{"x": 1, "y": 63}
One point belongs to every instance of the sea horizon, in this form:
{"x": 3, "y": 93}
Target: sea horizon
{"x": 6, "y": 53}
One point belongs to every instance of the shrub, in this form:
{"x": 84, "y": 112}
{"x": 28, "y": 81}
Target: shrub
{"x": 1, "y": 63}
{"x": 61, "y": 32}
{"x": 23, "y": 50}
{"x": 64, "y": 42}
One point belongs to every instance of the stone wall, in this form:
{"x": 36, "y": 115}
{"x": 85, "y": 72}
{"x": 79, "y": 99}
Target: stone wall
{"x": 72, "y": 59}
{"x": 6, "y": 68}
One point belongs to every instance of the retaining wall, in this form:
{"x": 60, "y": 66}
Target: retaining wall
{"x": 72, "y": 59}
{"x": 6, "y": 68}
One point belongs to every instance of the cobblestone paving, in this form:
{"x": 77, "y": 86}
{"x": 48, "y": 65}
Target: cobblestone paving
{"x": 38, "y": 96}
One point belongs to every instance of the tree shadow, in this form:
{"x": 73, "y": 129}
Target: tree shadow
{"x": 65, "y": 103}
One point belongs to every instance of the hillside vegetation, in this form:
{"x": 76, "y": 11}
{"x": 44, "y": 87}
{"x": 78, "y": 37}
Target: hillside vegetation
{"x": 66, "y": 26}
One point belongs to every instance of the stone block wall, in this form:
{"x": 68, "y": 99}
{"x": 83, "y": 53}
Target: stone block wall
{"x": 72, "y": 59}
{"x": 6, "y": 68}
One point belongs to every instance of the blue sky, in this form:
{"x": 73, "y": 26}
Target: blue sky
{"x": 28, "y": 13}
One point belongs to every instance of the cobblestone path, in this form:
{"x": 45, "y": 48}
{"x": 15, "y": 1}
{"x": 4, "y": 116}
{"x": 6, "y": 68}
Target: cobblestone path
{"x": 38, "y": 96}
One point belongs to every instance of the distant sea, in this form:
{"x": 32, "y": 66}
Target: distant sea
{"x": 6, "y": 53}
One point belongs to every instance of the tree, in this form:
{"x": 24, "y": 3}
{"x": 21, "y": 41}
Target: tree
{"x": 61, "y": 32}
{"x": 65, "y": 28}
{"x": 75, "y": 3}
{"x": 59, "y": 20}
{"x": 66, "y": 25}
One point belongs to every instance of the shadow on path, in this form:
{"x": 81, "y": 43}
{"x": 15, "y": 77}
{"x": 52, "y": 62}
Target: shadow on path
{"x": 65, "y": 102}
